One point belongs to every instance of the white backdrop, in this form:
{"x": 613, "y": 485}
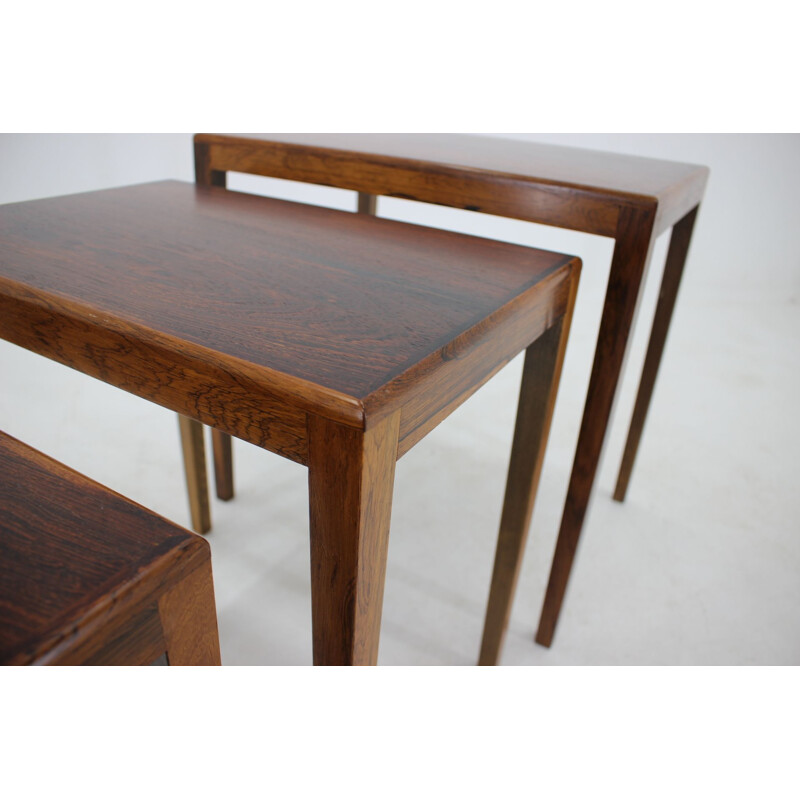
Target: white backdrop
{"x": 699, "y": 565}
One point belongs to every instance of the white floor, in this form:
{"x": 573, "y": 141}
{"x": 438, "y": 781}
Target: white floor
{"x": 701, "y": 564}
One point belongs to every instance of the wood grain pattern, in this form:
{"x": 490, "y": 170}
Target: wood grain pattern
{"x": 81, "y": 568}
{"x": 316, "y": 306}
{"x": 350, "y": 480}
{"x": 186, "y": 378}
{"x": 222, "y": 443}
{"x": 296, "y": 289}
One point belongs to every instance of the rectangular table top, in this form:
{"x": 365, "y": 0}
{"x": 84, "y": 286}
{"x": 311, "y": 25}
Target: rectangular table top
{"x": 338, "y": 300}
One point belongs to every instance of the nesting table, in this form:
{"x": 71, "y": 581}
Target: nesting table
{"x": 333, "y": 339}
{"x": 88, "y": 577}
{"x": 630, "y": 199}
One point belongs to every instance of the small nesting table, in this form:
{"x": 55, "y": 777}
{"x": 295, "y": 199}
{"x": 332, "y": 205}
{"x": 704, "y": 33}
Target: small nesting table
{"x": 335, "y": 340}
{"x": 88, "y": 577}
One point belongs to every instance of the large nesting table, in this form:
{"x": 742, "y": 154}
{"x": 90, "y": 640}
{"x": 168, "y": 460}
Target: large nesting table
{"x": 630, "y": 199}
{"x": 333, "y": 339}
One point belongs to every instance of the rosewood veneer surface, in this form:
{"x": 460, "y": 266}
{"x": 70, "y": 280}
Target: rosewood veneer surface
{"x": 319, "y": 310}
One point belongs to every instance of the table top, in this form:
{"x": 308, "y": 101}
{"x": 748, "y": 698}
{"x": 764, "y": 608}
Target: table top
{"x": 333, "y": 298}
{"x": 609, "y": 177}
{"x": 239, "y": 310}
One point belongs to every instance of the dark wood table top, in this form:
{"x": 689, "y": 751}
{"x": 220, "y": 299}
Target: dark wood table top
{"x": 329, "y": 297}
{"x": 65, "y": 543}
{"x": 596, "y": 178}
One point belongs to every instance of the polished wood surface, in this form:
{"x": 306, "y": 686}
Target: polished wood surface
{"x": 334, "y": 339}
{"x": 583, "y": 190}
{"x": 87, "y": 576}
{"x": 323, "y": 311}
{"x": 350, "y": 480}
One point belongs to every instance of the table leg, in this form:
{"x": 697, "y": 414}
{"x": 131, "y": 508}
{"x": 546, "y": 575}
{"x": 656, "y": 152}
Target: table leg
{"x": 189, "y": 619}
{"x": 350, "y": 481}
{"x": 194, "y": 462}
{"x": 634, "y": 242}
{"x": 537, "y": 396}
{"x": 673, "y": 270}
{"x": 223, "y": 464}
{"x": 367, "y": 204}
{"x": 222, "y": 447}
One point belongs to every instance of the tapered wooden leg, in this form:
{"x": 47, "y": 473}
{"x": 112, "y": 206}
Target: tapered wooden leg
{"x": 194, "y": 463}
{"x": 223, "y": 463}
{"x": 634, "y": 243}
{"x": 367, "y": 204}
{"x": 540, "y": 377}
{"x": 189, "y": 620}
{"x": 350, "y": 482}
{"x": 673, "y": 270}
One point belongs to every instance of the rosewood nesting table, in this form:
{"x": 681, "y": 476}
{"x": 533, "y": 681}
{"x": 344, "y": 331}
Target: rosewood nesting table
{"x": 630, "y": 199}
{"x": 333, "y": 339}
{"x": 88, "y": 577}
